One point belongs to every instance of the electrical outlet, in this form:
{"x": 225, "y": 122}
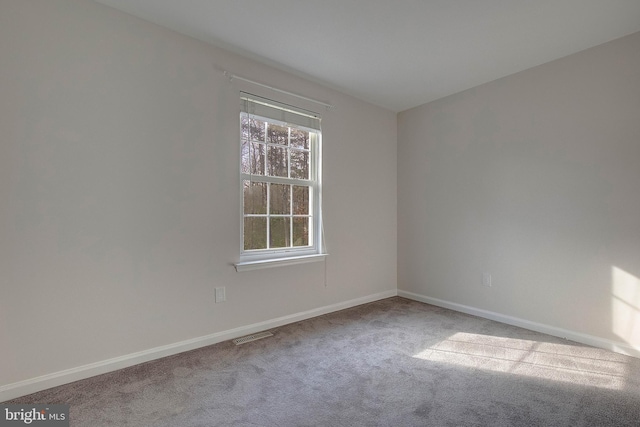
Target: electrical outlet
{"x": 486, "y": 279}
{"x": 220, "y": 294}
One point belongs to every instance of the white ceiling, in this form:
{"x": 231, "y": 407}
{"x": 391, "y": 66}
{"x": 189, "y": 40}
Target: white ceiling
{"x": 396, "y": 53}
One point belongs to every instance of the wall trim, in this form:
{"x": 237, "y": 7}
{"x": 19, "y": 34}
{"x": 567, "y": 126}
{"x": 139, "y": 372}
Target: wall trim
{"x": 21, "y": 388}
{"x": 616, "y": 346}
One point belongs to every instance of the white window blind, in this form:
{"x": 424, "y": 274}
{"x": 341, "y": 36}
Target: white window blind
{"x": 287, "y": 114}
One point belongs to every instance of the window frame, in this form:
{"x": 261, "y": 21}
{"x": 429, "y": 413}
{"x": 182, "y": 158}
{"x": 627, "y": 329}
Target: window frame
{"x": 251, "y": 259}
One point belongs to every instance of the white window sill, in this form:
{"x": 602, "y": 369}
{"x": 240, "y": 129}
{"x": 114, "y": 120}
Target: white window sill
{"x": 278, "y": 262}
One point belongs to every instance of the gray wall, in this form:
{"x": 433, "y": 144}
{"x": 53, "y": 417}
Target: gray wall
{"x": 120, "y": 192}
{"x": 534, "y": 178}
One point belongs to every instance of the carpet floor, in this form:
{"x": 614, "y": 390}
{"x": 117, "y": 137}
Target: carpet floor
{"x": 393, "y": 362}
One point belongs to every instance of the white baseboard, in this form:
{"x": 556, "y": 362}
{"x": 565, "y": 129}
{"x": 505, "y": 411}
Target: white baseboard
{"x": 14, "y": 390}
{"x": 618, "y": 347}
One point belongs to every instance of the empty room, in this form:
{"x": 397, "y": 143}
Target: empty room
{"x": 320, "y": 213}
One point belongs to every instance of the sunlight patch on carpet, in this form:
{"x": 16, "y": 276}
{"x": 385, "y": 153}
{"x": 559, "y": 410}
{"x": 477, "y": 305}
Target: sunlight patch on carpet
{"x": 573, "y": 364}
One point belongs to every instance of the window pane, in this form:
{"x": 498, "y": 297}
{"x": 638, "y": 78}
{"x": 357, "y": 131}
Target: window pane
{"x": 257, "y": 159}
{"x": 301, "y": 200}
{"x": 246, "y": 157}
{"x": 255, "y": 233}
{"x": 278, "y": 134}
{"x": 301, "y": 231}
{"x": 299, "y": 138}
{"x": 244, "y": 126}
{"x": 299, "y": 164}
{"x": 255, "y": 197}
{"x": 278, "y": 162}
{"x": 280, "y": 199}
{"x": 257, "y": 130}
{"x": 280, "y": 233}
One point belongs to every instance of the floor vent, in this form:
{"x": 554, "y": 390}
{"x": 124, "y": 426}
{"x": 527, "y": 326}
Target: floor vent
{"x": 252, "y": 337}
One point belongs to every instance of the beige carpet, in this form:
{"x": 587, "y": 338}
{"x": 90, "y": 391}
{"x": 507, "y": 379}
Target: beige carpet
{"x": 390, "y": 363}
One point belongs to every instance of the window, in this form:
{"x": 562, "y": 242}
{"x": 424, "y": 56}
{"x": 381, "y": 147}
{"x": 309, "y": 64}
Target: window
{"x": 280, "y": 175}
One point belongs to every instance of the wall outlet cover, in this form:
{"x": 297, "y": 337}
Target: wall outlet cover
{"x": 220, "y": 294}
{"x": 486, "y": 279}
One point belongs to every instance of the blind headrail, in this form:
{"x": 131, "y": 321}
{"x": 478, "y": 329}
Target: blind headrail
{"x": 232, "y": 77}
